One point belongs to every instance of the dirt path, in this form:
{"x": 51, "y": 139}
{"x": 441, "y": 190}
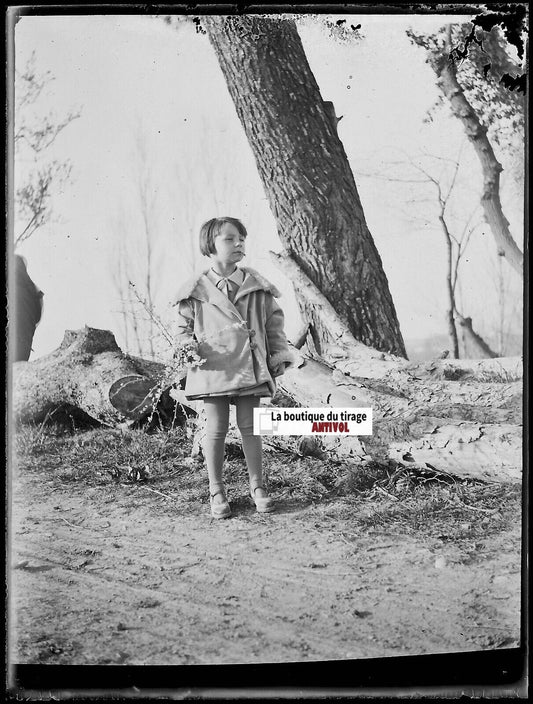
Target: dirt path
{"x": 115, "y": 574}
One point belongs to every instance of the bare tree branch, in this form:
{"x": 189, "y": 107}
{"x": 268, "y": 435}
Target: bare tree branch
{"x": 32, "y": 138}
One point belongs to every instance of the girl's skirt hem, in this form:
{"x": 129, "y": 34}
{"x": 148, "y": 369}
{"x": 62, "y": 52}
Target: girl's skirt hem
{"x": 261, "y": 390}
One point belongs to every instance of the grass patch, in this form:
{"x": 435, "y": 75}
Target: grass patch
{"x": 99, "y": 456}
{"x": 499, "y": 376}
{"x": 458, "y": 512}
{"x": 382, "y": 497}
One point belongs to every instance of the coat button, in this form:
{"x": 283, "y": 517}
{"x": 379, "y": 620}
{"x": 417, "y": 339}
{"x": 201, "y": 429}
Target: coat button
{"x": 252, "y": 345}
{"x": 252, "y": 333}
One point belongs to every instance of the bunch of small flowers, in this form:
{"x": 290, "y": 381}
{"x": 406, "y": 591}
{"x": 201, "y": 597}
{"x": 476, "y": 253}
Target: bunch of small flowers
{"x": 186, "y": 356}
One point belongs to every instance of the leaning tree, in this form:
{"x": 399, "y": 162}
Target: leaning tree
{"x": 475, "y": 81}
{"x": 306, "y": 176}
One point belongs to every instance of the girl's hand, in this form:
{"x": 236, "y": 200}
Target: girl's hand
{"x": 279, "y": 369}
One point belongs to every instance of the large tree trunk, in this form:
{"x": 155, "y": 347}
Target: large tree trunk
{"x": 306, "y": 175}
{"x": 444, "y": 68}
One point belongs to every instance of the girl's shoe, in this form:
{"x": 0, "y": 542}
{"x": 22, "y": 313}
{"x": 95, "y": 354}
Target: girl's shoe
{"x": 220, "y": 509}
{"x": 263, "y": 504}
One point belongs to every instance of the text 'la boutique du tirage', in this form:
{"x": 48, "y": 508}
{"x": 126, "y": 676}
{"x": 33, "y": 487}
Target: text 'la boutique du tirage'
{"x": 313, "y": 421}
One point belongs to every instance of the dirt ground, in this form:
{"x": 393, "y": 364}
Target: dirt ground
{"x": 118, "y": 573}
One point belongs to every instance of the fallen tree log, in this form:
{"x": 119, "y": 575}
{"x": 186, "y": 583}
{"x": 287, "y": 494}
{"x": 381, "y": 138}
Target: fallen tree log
{"x": 459, "y": 416}
{"x": 466, "y": 420}
{"x": 91, "y": 378}
{"x": 462, "y": 415}
{"x": 460, "y": 420}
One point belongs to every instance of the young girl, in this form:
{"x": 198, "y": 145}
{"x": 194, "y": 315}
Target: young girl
{"x": 232, "y": 315}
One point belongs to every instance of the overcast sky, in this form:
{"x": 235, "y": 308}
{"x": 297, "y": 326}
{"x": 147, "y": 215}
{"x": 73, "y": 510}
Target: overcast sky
{"x": 139, "y": 81}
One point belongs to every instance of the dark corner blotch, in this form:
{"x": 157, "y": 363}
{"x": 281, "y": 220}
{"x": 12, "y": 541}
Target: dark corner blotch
{"x": 514, "y": 83}
{"x": 511, "y": 17}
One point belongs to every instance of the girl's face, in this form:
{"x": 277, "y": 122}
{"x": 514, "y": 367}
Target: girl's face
{"x": 229, "y": 245}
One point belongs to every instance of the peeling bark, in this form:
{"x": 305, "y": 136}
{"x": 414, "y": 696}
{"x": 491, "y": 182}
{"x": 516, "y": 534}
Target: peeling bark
{"x": 448, "y": 415}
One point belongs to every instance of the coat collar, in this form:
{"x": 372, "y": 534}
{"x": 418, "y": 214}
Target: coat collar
{"x": 237, "y": 277}
{"x": 203, "y": 289}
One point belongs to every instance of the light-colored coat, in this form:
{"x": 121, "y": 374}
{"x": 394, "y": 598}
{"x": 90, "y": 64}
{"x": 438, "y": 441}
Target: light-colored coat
{"x": 242, "y": 342}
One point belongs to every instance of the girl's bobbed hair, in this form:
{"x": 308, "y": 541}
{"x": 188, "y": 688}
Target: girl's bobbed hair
{"x": 211, "y": 229}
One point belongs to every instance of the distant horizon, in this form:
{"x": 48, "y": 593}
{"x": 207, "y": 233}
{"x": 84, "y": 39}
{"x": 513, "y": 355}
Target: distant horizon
{"x": 434, "y": 344}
